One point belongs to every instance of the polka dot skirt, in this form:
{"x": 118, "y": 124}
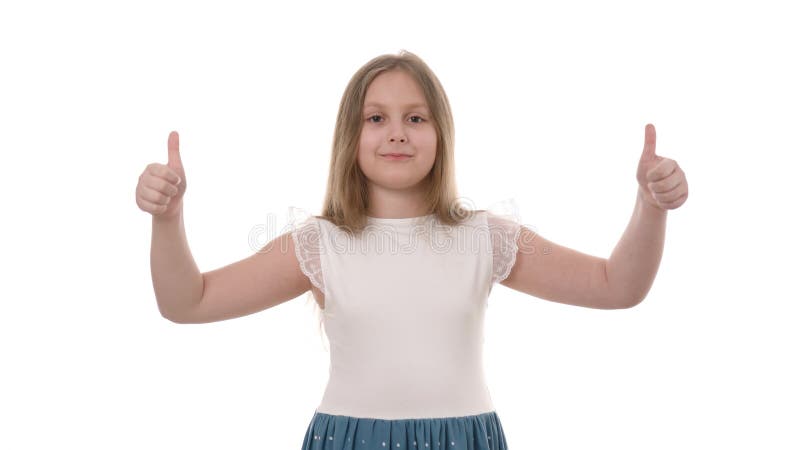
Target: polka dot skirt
{"x": 478, "y": 432}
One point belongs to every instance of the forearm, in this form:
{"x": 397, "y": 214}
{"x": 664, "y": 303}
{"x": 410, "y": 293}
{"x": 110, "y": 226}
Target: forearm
{"x": 633, "y": 264}
{"x": 177, "y": 282}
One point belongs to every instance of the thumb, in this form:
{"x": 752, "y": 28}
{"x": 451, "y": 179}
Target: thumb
{"x": 174, "y": 161}
{"x": 649, "y": 151}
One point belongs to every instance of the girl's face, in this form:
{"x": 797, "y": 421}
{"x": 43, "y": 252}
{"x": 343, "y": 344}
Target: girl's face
{"x": 396, "y": 120}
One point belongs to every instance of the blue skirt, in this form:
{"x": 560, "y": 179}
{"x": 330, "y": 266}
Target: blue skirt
{"x": 478, "y": 432}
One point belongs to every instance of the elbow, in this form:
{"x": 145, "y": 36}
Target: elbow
{"x": 172, "y": 316}
{"x": 173, "y": 319}
{"x": 620, "y": 298}
{"x": 631, "y": 302}
{"x": 623, "y": 300}
{"x": 181, "y": 316}
{"x": 181, "y": 320}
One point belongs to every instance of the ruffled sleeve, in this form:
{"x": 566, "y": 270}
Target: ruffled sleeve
{"x": 504, "y": 228}
{"x": 306, "y": 237}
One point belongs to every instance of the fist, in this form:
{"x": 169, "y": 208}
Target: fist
{"x": 662, "y": 182}
{"x": 161, "y": 186}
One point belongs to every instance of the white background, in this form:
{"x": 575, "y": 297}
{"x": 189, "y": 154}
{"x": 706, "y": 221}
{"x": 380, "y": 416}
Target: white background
{"x": 550, "y": 103}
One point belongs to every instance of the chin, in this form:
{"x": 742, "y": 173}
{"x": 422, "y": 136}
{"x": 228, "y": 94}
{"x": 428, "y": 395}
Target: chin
{"x": 397, "y": 182}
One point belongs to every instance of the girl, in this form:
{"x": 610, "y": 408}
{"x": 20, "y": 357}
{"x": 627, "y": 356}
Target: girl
{"x": 401, "y": 269}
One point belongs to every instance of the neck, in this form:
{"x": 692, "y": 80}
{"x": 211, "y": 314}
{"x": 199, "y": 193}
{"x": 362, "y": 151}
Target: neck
{"x": 390, "y": 204}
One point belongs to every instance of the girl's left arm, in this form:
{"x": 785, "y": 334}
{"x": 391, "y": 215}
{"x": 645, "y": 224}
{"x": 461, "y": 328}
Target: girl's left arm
{"x": 634, "y": 262}
{"x": 554, "y": 272}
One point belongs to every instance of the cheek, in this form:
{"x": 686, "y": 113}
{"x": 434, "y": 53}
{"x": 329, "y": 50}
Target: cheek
{"x": 367, "y": 140}
{"x": 364, "y": 153}
{"x": 430, "y": 144}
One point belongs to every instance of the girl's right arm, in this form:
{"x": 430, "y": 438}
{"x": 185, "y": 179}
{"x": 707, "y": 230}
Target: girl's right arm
{"x": 266, "y": 279}
{"x": 184, "y": 295}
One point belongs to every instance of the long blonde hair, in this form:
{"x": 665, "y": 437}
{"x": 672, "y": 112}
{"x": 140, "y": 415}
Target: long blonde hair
{"x": 346, "y": 197}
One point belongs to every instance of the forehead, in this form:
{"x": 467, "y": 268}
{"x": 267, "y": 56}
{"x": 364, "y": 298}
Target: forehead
{"x": 395, "y": 88}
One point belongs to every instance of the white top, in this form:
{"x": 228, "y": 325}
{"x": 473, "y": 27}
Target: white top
{"x": 404, "y": 313}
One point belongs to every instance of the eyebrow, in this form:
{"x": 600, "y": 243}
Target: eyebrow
{"x": 410, "y": 105}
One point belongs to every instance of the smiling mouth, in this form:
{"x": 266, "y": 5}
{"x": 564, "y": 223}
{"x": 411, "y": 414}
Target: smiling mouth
{"x": 396, "y": 156}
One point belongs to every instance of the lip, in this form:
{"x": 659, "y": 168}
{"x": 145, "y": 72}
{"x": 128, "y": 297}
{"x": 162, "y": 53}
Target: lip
{"x": 396, "y": 156}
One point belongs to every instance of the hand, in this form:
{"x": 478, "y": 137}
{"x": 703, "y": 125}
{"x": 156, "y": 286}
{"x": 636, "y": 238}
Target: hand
{"x": 662, "y": 182}
{"x": 161, "y": 187}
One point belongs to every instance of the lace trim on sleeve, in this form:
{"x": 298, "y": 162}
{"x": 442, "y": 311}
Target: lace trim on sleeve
{"x": 504, "y": 229}
{"x": 306, "y": 237}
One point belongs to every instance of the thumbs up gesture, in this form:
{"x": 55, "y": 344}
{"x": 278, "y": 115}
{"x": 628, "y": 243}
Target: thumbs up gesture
{"x": 161, "y": 186}
{"x": 662, "y": 182}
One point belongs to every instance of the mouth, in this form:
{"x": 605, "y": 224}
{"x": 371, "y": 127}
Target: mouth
{"x": 396, "y": 156}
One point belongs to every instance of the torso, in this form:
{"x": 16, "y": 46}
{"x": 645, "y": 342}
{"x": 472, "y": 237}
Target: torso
{"x": 383, "y": 335}
{"x": 319, "y": 296}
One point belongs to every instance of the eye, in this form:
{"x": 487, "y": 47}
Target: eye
{"x": 413, "y": 117}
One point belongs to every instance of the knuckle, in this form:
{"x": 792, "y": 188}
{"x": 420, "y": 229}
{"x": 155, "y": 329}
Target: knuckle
{"x": 159, "y": 198}
{"x": 170, "y": 188}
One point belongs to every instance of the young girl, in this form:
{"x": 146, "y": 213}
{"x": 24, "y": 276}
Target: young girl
{"x": 401, "y": 269}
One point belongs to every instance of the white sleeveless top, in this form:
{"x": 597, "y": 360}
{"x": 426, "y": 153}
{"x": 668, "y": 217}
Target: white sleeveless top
{"x": 404, "y": 313}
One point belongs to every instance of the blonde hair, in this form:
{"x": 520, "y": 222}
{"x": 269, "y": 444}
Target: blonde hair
{"x": 346, "y": 197}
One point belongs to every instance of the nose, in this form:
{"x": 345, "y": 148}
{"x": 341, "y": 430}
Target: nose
{"x": 396, "y": 134}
